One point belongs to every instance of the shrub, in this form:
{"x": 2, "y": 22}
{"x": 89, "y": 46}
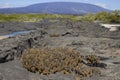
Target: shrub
{"x": 92, "y": 59}
{"x": 54, "y": 35}
{"x": 49, "y": 61}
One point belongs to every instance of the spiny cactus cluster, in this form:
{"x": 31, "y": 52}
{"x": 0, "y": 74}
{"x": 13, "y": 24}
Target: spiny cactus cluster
{"x": 49, "y": 61}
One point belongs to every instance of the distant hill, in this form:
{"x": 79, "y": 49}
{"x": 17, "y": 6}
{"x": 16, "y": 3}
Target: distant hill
{"x": 56, "y": 8}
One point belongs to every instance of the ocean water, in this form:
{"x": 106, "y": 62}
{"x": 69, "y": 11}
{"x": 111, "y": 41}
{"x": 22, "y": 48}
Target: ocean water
{"x": 14, "y": 34}
{"x": 17, "y": 33}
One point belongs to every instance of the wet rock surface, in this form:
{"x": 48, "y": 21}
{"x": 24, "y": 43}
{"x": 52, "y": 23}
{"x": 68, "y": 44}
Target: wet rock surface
{"x": 85, "y": 37}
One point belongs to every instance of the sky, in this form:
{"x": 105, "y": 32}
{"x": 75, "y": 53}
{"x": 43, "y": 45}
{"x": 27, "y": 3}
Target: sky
{"x": 109, "y": 4}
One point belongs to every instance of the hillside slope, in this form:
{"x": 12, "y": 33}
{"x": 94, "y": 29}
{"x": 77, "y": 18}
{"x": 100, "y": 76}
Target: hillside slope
{"x": 56, "y": 8}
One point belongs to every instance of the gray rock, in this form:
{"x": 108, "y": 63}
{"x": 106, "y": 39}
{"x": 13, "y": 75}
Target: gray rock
{"x": 13, "y": 70}
{"x": 14, "y": 47}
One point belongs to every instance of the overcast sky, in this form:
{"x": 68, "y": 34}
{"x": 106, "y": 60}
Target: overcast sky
{"x": 109, "y": 4}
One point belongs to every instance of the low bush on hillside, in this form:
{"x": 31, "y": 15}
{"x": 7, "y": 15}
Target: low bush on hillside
{"x": 32, "y": 17}
{"x": 106, "y": 17}
{"x": 49, "y": 61}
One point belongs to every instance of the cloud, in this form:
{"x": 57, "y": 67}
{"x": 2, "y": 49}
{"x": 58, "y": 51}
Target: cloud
{"x": 6, "y": 5}
{"x": 86, "y": 0}
{"x": 101, "y": 5}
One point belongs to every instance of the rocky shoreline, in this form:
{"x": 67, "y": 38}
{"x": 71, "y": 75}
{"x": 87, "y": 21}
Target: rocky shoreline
{"x": 84, "y": 37}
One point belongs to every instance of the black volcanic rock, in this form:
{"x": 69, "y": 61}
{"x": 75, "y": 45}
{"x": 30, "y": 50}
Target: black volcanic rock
{"x": 85, "y": 37}
{"x": 56, "y": 8}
